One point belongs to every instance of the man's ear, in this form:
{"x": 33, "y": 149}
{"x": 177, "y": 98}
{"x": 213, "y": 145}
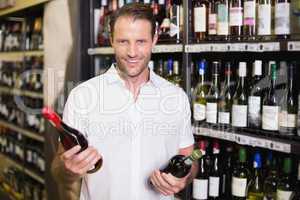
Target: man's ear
{"x": 155, "y": 38}
{"x": 111, "y": 40}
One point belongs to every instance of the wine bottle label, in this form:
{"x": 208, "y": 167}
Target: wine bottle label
{"x": 270, "y": 118}
{"x": 211, "y": 113}
{"x": 224, "y": 117}
{"x": 29, "y": 156}
{"x": 214, "y": 184}
{"x": 239, "y": 115}
{"x": 222, "y": 21}
{"x": 239, "y": 186}
{"x": 287, "y": 120}
{"x": 199, "y": 112}
{"x": 283, "y": 195}
{"x": 236, "y": 16}
{"x": 298, "y": 171}
{"x": 200, "y": 19}
{"x": 254, "y": 103}
{"x": 282, "y": 18}
{"x": 161, "y": 2}
{"x": 212, "y": 24}
{"x": 264, "y": 20}
{"x": 200, "y": 188}
{"x": 249, "y": 13}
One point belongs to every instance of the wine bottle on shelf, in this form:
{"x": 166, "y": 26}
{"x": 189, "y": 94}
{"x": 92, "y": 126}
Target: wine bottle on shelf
{"x": 271, "y": 180}
{"x": 298, "y": 116}
{"x": 200, "y": 182}
{"x": 199, "y": 106}
{"x": 37, "y": 35}
{"x": 249, "y": 29}
{"x": 223, "y": 19}
{"x": 200, "y": 19}
{"x": 213, "y": 95}
{"x": 69, "y": 136}
{"x": 255, "y": 188}
{"x": 297, "y": 195}
{"x": 255, "y": 96}
{"x": 214, "y": 185}
{"x": 225, "y": 102}
{"x": 227, "y": 172}
{"x": 176, "y": 19}
{"x": 264, "y": 19}
{"x": 212, "y": 20}
{"x": 180, "y": 165}
{"x": 285, "y": 187}
{"x": 240, "y": 177}
{"x": 235, "y": 19}
{"x": 288, "y": 112}
{"x": 282, "y": 19}
{"x": 240, "y": 99}
{"x": 270, "y": 112}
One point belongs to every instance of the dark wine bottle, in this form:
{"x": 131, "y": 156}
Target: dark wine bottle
{"x": 69, "y": 137}
{"x": 180, "y": 165}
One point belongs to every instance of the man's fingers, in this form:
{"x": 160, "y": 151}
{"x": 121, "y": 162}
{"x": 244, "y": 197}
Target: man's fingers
{"x": 155, "y": 184}
{"x": 84, "y": 154}
{"x": 89, "y": 162}
{"x": 163, "y": 185}
{"x": 71, "y": 152}
{"x": 91, "y": 165}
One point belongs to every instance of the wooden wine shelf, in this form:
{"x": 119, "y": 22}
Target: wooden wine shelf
{"x": 286, "y": 145}
{"x": 19, "y": 55}
{"x": 27, "y": 171}
{"x": 160, "y": 48}
{"x": 30, "y": 134}
{"x": 18, "y": 92}
{"x": 21, "y": 5}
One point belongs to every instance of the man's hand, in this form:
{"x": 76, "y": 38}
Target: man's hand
{"x": 168, "y": 184}
{"x": 78, "y": 164}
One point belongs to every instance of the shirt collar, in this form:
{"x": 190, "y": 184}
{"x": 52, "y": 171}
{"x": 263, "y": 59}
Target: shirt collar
{"x": 114, "y": 77}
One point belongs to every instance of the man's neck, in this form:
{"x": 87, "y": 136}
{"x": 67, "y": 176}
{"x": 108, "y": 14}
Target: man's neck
{"x": 133, "y": 84}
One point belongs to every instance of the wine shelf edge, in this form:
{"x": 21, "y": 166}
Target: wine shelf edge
{"x": 14, "y": 91}
{"x": 160, "y": 48}
{"x": 29, "y": 172}
{"x": 276, "y": 144}
{"x": 21, "y": 5}
{"x": 27, "y": 133}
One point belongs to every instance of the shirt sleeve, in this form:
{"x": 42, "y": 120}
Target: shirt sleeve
{"x": 186, "y": 135}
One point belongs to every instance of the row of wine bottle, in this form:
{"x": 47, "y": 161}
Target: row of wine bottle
{"x": 222, "y": 176}
{"x": 211, "y": 19}
{"x": 238, "y": 19}
{"x": 17, "y": 36}
{"x": 26, "y": 118}
{"x": 22, "y": 149}
{"x": 25, "y": 75}
{"x": 21, "y": 186}
{"x": 261, "y": 104}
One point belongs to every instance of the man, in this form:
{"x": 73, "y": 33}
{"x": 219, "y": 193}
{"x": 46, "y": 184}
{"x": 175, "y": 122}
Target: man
{"x": 134, "y": 120}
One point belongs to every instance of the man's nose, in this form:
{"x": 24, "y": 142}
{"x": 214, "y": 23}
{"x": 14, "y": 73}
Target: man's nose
{"x": 132, "y": 50}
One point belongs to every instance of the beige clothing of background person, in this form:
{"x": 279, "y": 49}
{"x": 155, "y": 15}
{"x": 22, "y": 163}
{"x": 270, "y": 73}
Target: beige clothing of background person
{"x": 58, "y": 46}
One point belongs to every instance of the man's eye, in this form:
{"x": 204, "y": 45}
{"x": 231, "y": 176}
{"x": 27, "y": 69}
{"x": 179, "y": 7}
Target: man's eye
{"x": 122, "y": 41}
{"x": 141, "y": 41}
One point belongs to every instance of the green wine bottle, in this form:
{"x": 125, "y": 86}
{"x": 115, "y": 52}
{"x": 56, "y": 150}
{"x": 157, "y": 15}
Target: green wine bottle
{"x": 213, "y": 95}
{"x": 270, "y": 183}
{"x": 288, "y": 113}
{"x": 240, "y": 99}
{"x": 285, "y": 187}
{"x": 225, "y": 102}
{"x": 240, "y": 177}
{"x": 255, "y": 189}
{"x": 270, "y": 113}
{"x": 200, "y": 92}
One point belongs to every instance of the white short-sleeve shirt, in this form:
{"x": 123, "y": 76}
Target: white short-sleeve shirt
{"x": 134, "y": 137}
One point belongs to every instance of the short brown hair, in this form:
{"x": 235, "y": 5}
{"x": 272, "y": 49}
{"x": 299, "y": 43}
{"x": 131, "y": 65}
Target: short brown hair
{"x": 136, "y": 11}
